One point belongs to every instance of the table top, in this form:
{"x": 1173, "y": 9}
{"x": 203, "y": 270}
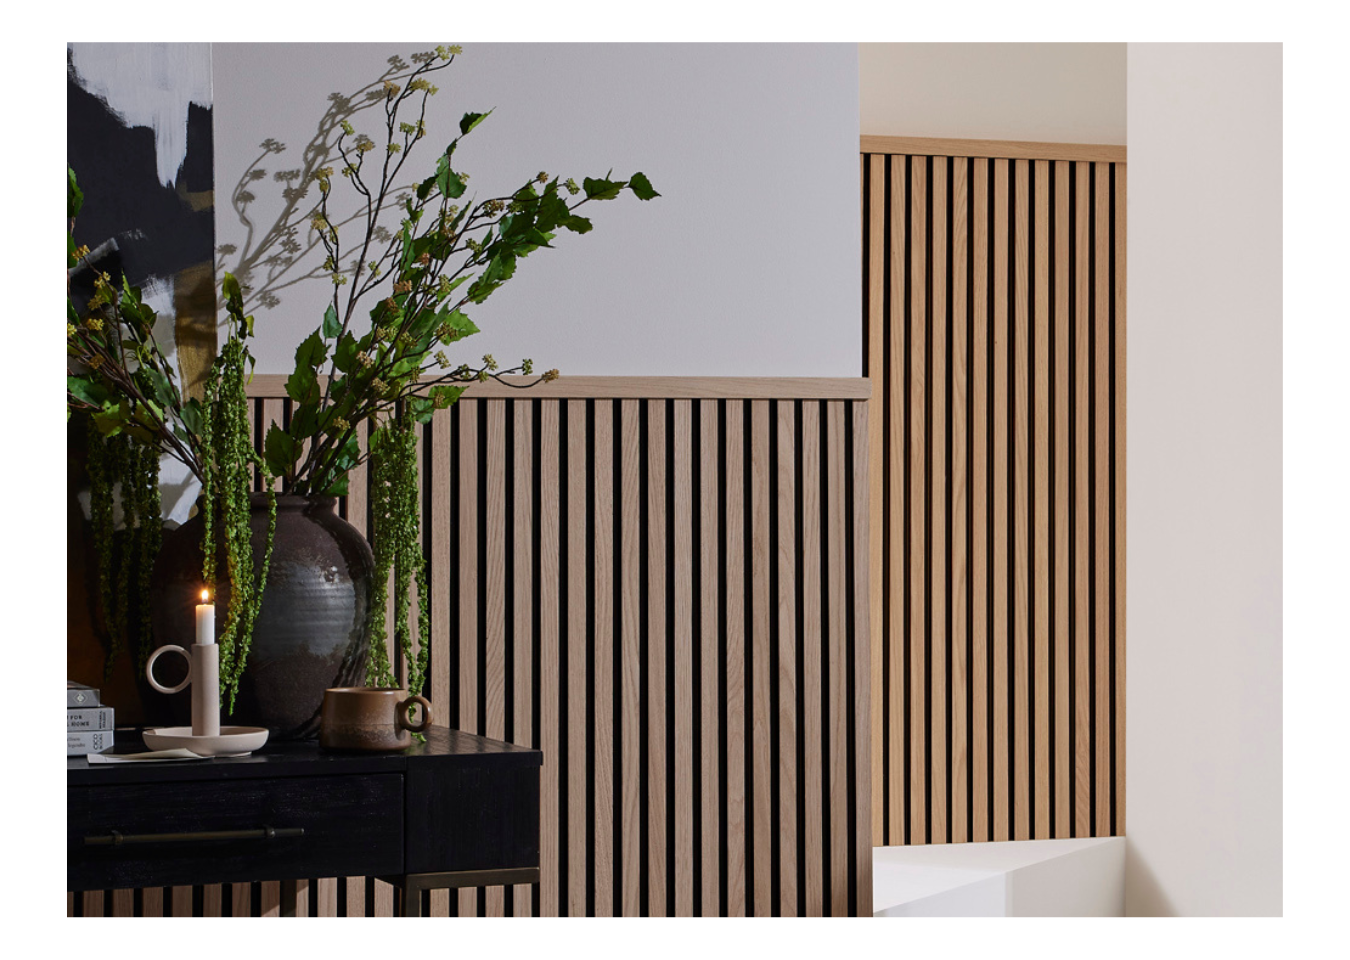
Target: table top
{"x": 300, "y": 758}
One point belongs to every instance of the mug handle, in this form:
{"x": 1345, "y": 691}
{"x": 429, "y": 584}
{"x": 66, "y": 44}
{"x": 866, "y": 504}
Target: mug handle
{"x": 405, "y": 712}
{"x": 150, "y": 668}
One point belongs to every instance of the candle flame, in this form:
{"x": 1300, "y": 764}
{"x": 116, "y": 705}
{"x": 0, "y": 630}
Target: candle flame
{"x": 205, "y": 596}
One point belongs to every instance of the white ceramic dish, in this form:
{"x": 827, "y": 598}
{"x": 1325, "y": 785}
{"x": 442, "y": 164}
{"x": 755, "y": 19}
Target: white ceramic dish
{"x": 232, "y": 741}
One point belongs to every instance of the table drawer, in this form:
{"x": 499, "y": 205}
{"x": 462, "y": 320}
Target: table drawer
{"x": 234, "y": 831}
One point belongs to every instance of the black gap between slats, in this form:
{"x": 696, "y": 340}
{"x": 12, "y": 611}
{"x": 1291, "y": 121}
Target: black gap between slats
{"x": 1113, "y": 452}
{"x": 645, "y": 798}
{"x": 1074, "y": 480}
{"x": 1092, "y": 500}
{"x": 1010, "y": 381}
{"x": 695, "y": 704}
{"x": 889, "y": 830}
{"x": 906, "y": 544}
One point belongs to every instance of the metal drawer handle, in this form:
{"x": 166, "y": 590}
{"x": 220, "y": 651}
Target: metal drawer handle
{"x": 115, "y": 838}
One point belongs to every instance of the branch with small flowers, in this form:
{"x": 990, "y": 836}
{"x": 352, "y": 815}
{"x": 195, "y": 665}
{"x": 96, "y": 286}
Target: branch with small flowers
{"x": 347, "y": 372}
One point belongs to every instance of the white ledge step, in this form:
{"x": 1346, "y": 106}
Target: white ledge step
{"x": 1019, "y": 878}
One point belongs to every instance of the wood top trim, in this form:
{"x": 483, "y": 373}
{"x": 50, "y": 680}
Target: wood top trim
{"x": 1001, "y": 149}
{"x": 641, "y": 388}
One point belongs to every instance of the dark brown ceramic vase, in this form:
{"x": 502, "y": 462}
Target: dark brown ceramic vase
{"x": 313, "y": 631}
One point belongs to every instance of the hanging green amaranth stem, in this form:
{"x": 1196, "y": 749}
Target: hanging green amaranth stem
{"x": 397, "y": 538}
{"x": 227, "y": 478}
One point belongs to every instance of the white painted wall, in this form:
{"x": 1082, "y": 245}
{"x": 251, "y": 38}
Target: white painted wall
{"x": 1204, "y": 654}
{"x": 748, "y": 263}
{"x": 1057, "y": 92}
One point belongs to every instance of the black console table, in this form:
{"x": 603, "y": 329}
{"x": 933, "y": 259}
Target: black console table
{"x": 457, "y": 811}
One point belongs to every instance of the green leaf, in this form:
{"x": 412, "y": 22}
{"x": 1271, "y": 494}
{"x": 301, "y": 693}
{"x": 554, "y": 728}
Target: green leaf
{"x": 641, "y": 186}
{"x": 280, "y": 450}
{"x": 191, "y": 413}
{"x": 577, "y": 224}
{"x": 304, "y": 421}
{"x": 345, "y": 354}
{"x": 338, "y": 488}
{"x": 164, "y": 391}
{"x": 74, "y": 196}
{"x": 231, "y": 287}
{"x": 332, "y": 326}
{"x": 303, "y": 384}
{"x": 94, "y": 394}
{"x": 472, "y": 120}
{"x": 602, "y": 189}
{"x": 446, "y": 395}
{"x": 421, "y": 409}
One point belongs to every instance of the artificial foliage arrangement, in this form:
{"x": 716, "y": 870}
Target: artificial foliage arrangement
{"x": 376, "y": 365}
{"x": 119, "y": 379}
{"x": 399, "y": 300}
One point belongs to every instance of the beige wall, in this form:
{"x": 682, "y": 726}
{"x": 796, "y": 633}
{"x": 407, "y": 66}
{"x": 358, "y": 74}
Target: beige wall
{"x": 1204, "y": 670}
{"x": 1058, "y": 92}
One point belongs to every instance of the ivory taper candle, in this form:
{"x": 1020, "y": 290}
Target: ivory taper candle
{"x": 206, "y": 621}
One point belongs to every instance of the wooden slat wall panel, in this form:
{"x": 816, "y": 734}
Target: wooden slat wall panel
{"x": 693, "y": 574}
{"x": 994, "y": 338}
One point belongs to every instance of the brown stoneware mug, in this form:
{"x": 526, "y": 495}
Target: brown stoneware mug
{"x": 369, "y": 718}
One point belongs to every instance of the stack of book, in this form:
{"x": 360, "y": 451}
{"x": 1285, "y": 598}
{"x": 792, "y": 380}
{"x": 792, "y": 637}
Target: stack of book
{"x": 89, "y": 724}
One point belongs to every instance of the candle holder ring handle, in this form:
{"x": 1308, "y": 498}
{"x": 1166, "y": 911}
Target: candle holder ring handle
{"x": 150, "y": 668}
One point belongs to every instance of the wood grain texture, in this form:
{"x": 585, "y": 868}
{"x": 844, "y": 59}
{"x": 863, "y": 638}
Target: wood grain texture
{"x": 1000, "y": 533}
{"x": 683, "y": 643}
{"x": 654, "y": 592}
{"x": 734, "y": 663}
{"x": 981, "y": 506}
{"x": 994, "y": 321}
{"x": 813, "y": 848}
{"x": 1042, "y": 522}
{"x": 918, "y": 560}
{"x": 525, "y": 601}
{"x": 1064, "y": 715}
{"x": 762, "y": 705}
{"x": 602, "y": 646}
{"x": 959, "y": 505}
{"x": 1019, "y": 495}
{"x": 787, "y": 840}
{"x": 578, "y": 656}
{"x": 709, "y": 663}
{"x": 1005, "y": 149}
{"x": 630, "y": 654}
{"x": 938, "y": 581}
{"x": 552, "y": 884}
{"x": 659, "y": 814}
{"x": 838, "y": 707}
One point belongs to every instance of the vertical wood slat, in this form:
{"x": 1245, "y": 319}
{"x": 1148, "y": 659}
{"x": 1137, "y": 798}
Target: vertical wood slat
{"x": 960, "y": 493}
{"x": 813, "y": 850}
{"x": 734, "y": 664}
{"x": 896, "y": 457}
{"x": 1064, "y": 716}
{"x": 466, "y": 592}
{"x": 578, "y": 654}
{"x": 658, "y": 812}
{"x": 875, "y": 220}
{"x": 1082, "y": 507}
{"x": 918, "y": 347}
{"x": 994, "y": 321}
{"x": 552, "y": 883}
{"x": 999, "y": 534}
{"x": 789, "y": 843}
{"x": 762, "y": 707}
{"x": 630, "y": 656}
{"x": 525, "y": 603}
{"x": 682, "y": 642}
{"x": 811, "y": 585}
{"x": 1101, "y": 500}
{"x": 1040, "y": 578}
{"x": 1118, "y": 411}
{"x": 837, "y": 709}
{"x": 493, "y": 617}
{"x": 1020, "y": 331}
{"x": 709, "y": 703}
{"x": 937, "y": 513}
{"x": 602, "y": 647}
{"x": 981, "y": 752}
